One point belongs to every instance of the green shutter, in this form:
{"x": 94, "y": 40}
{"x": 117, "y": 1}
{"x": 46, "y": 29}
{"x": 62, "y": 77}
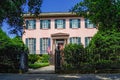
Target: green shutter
{"x": 86, "y": 42}
{"x": 64, "y": 23}
{"x": 41, "y": 46}
{"x": 49, "y": 22}
{"x": 85, "y": 23}
{"x": 41, "y": 24}
{"x": 70, "y": 40}
{"x": 79, "y": 23}
{"x": 26, "y": 41}
{"x": 94, "y": 25}
{"x": 27, "y": 24}
{"x": 49, "y": 42}
{"x": 55, "y": 24}
{"x": 70, "y": 23}
{"x": 34, "y": 45}
{"x": 79, "y": 40}
{"x": 34, "y": 24}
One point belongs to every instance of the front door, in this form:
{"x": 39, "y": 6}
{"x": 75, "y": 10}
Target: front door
{"x": 60, "y": 43}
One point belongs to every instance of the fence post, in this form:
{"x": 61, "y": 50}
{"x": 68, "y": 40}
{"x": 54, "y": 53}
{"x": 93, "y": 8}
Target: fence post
{"x": 23, "y": 62}
{"x": 57, "y": 61}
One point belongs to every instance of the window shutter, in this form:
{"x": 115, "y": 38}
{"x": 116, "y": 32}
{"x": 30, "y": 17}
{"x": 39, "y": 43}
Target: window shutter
{"x": 70, "y": 23}
{"x": 55, "y": 24}
{"x": 79, "y": 40}
{"x": 86, "y": 41}
{"x": 41, "y": 24}
{"x": 85, "y": 23}
{"x": 34, "y": 25}
{"x": 94, "y": 25}
{"x": 49, "y": 42}
{"x": 34, "y": 45}
{"x": 40, "y": 45}
{"x": 26, "y": 24}
{"x": 64, "y": 23}
{"x": 49, "y": 22}
{"x": 70, "y": 40}
{"x": 26, "y": 41}
{"x": 79, "y": 23}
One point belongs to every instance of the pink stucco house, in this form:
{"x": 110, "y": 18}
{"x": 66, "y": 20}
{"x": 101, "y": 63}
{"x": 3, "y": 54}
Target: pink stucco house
{"x": 44, "y": 32}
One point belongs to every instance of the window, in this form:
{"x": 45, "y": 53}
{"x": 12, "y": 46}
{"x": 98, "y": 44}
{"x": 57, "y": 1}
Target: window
{"x": 74, "y": 23}
{"x": 75, "y": 40}
{"x": 45, "y": 24}
{"x": 88, "y": 24}
{"x": 60, "y": 23}
{"x": 31, "y": 43}
{"x": 30, "y": 24}
{"x": 44, "y": 44}
{"x": 87, "y": 41}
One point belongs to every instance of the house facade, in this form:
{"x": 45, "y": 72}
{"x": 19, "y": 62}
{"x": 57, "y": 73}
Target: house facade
{"x": 48, "y": 30}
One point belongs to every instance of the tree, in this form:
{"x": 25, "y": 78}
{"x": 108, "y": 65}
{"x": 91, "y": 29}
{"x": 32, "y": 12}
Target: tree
{"x": 104, "y": 13}
{"x": 12, "y": 10}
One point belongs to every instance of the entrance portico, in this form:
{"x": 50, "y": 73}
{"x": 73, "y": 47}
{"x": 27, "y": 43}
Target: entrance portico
{"x": 59, "y": 39}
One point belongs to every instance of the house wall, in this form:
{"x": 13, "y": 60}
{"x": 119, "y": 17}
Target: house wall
{"x": 73, "y": 32}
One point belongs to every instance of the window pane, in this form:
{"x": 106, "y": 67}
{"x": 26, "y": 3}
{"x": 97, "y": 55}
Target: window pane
{"x": 89, "y": 24}
{"x": 45, "y": 24}
{"x": 31, "y": 45}
{"x": 75, "y": 40}
{"x": 31, "y": 24}
{"x": 87, "y": 41}
{"x": 60, "y": 23}
{"x": 44, "y": 45}
{"x": 75, "y": 23}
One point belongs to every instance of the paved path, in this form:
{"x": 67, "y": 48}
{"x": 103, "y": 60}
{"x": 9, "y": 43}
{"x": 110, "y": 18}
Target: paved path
{"x": 50, "y": 69}
{"x": 47, "y": 69}
{"x": 59, "y": 76}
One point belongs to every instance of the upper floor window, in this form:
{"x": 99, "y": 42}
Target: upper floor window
{"x": 87, "y": 41}
{"x": 44, "y": 45}
{"x": 45, "y": 24}
{"x": 30, "y": 24}
{"x": 89, "y": 24}
{"x": 74, "y": 23}
{"x": 31, "y": 43}
{"x": 75, "y": 40}
{"x": 60, "y": 23}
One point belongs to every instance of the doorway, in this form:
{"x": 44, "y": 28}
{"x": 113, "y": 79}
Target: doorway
{"x": 60, "y": 43}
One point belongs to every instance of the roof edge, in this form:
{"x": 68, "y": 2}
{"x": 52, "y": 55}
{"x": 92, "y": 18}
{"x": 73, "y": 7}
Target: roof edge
{"x": 52, "y": 14}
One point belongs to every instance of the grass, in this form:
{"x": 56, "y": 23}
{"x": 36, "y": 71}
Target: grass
{"x": 38, "y": 65}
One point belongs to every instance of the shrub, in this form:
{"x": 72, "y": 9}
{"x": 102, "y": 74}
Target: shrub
{"x": 38, "y": 65}
{"x": 32, "y": 58}
{"x": 74, "y": 55}
{"x": 10, "y": 50}
{"x": 104, "y": 50}
{"x": 45, "y": 58}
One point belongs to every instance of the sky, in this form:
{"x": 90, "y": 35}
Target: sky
{"x": 58, "y": 5}
{"x": 50, "y": 6}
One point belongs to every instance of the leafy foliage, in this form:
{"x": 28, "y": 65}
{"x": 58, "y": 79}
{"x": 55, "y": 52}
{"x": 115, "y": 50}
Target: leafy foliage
{"x": 104, "y": 13}
{"x": 37, "y": 61}
{"x": 33, "y": 58}
{"x": 38, "y": 65}
{"x": 74, "y": 55}
{"x": 106, "y": 44}
{"x": 12, "y": 10}
{"x": 10, "y": 50}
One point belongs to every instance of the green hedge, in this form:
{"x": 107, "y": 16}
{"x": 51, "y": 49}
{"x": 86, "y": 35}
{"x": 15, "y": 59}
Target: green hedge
{"x": 73, "y": 55}
{"x": 10, "y": 50}
{"x": 37, "y": 61}
{"x": 38, "y": 65}
{"x": 103, "y": 53}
